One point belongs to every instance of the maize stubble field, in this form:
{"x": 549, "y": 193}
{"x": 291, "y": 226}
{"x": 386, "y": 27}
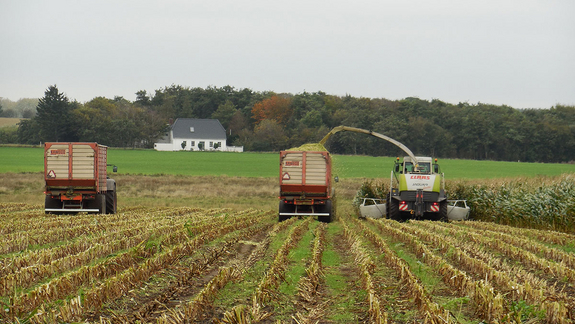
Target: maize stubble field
{"x": 216, "y": 254}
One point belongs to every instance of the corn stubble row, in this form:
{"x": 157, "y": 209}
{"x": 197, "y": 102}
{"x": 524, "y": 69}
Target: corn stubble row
{"x": 467, "y": 264}
{"x": 65, "y": 283}
{"x": 376, "y": 312}
{"x": 117, "y": 286}
{"x": 242, "y": 314}
{"x": 36, "y": 221}
{"x": 473, "y": 259}
{"x": 309, "y": 285}
{"x": 254, "y": 313}
{"x": 568, "y": 259}
{"x": 547, "y": 236}
{"x": 11, "y": 207}
{"x": 514, "y": 282}
{"x": 432, "y": 312}
{"x": 196, "y": 307}
{"x": 23, "y": 270}
{"x": 68, "y": 228}
{"x": 110, "y": 229}
{"x": 196, "y": 268}
{"x": 275, "y": 274}
{"x": 558, "y": 270}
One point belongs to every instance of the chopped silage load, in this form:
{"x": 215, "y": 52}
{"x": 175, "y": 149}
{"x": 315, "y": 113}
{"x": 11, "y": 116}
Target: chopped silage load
{"x": 313, "y": 147}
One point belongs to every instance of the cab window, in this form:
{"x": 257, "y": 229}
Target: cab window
{"x": 424, "y": 167}
{"x": 408, "y": 167}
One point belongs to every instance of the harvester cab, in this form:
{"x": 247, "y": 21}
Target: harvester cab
{"x": 423, "y": 165}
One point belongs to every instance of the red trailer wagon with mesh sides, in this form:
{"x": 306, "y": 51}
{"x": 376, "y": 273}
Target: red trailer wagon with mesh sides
{"x": 77, "y": 180}
{"x": 306, "y": 185}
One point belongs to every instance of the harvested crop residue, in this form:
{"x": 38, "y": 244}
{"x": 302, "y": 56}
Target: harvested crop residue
{"x": 316, "y": 147}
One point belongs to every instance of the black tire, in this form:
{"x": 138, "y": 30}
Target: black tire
{"x": 111, "y": 197}
{"x": 99, "y": 203}
{"x": 393, "y": 210}
{"x": 111, "y": 202}
{"x": 443, "y": 211}
{"x": 51, "y": 203}
{"x": 283, "y": 208}
{"x": 327, "y": 208}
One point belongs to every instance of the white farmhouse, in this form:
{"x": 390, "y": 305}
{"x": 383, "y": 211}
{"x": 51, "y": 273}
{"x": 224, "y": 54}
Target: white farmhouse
{"x": 192, "y": 134}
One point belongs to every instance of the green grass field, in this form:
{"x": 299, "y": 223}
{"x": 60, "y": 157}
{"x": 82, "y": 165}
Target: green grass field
{"x": 8, "y": 122}
{"x": 30, "y": 159}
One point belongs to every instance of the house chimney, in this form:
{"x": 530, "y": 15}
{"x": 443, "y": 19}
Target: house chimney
{"x": 171, "y": 121}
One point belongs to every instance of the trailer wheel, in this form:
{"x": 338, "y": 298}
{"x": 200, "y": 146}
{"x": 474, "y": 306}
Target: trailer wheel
{"x": 100, "y": 203}
{"x": 52, "y": 203}
{"x": 327, "y": 208}
{"x": 283, "y": 208}
{"x": 111, "y": 202}
{"x": 111, "y": 197}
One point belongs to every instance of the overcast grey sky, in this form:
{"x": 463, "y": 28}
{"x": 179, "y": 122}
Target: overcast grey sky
{"x": 517, "y": 53}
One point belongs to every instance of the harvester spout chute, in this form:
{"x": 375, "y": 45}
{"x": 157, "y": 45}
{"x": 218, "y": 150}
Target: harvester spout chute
{"x": 378, "y": 135}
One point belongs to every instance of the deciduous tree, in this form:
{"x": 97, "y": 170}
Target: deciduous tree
{"x": 275, "y": 108}
{"x": 225, "y": 113}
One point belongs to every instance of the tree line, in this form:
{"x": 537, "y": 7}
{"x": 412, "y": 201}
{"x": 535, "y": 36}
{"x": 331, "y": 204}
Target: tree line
{"x": 23, "y": 108}
{"x": 114, "y": 122}
{"x": 269, "y": 121}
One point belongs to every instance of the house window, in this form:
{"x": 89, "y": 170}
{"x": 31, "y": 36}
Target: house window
{"x": 191, "y": 129}
{"x": 211, "y": 144}
{"x": 193, "y": 143}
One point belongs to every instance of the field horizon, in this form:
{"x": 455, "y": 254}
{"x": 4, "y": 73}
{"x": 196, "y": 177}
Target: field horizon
{"x": 20, "y": 159}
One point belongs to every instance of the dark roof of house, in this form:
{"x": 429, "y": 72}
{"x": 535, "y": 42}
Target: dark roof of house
{"x": 203, "y": 129}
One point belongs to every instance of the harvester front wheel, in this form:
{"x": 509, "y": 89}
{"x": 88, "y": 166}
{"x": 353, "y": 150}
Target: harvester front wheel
{"x": 393, "y": 209}
{"x": 443, "y": 211}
